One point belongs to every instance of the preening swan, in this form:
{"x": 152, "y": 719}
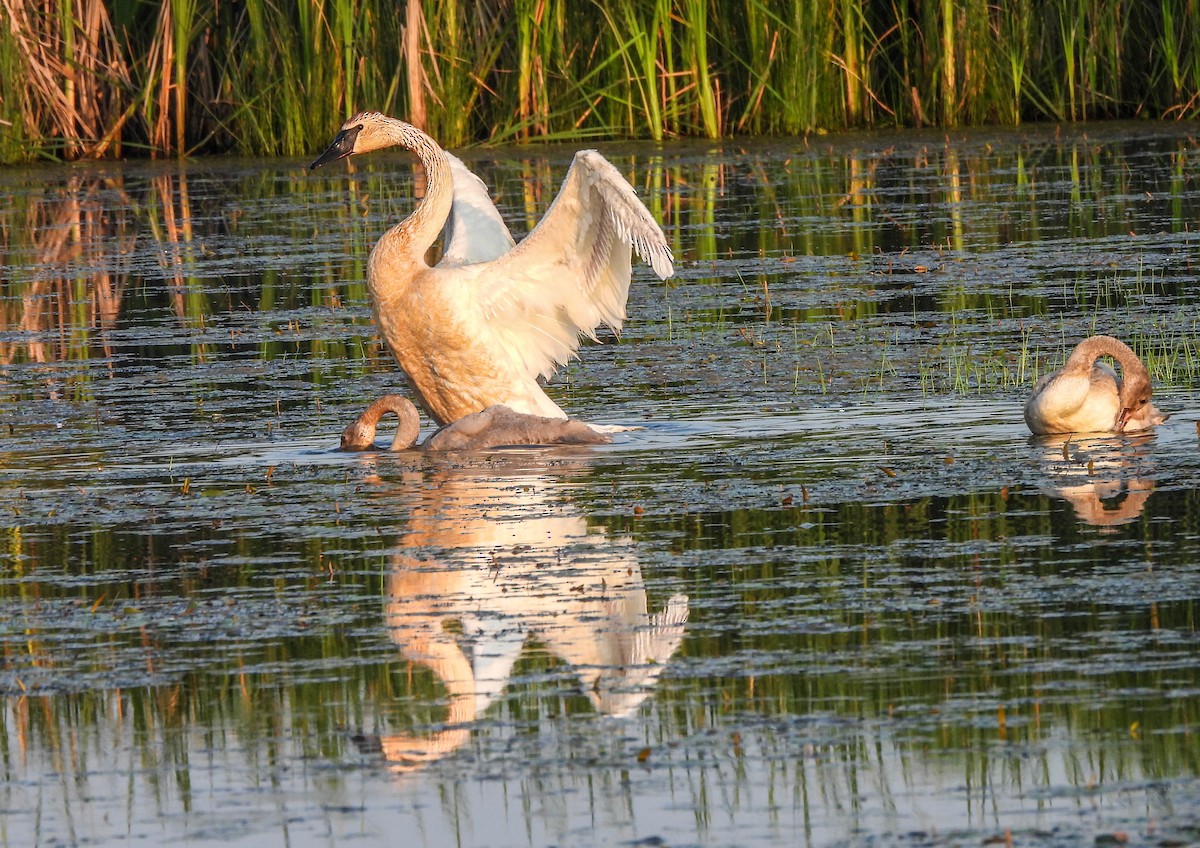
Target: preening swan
{"x": 495, "y": 426}
{"x": 1087, "y": 396}
{"x": 478, "y": 328}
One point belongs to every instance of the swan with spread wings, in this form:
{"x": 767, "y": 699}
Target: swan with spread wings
{"x": 491, "y": 317}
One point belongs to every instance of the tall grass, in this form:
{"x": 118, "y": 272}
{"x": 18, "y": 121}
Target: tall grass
{"x": 87, "y": 78}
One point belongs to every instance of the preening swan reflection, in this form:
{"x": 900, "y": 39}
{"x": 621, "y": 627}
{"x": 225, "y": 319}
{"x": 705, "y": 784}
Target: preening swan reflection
{"x": 496, "y": 564}
{"x": 1088, "y": 396}
{"x": 1107, "y": 480}
{"x": 493, "y": 427}
{"x": 482, "y": 325}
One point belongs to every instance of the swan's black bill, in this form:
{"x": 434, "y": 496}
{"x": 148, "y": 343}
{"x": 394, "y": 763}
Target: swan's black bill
{"x": 343, "y": 146}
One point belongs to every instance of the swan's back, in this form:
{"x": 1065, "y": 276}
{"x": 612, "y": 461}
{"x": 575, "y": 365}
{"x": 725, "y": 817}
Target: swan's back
{"x": 499, "y": 426}
{"x": 1069, "y": 401}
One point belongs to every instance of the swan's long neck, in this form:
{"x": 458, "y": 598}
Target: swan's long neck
{"x": 1087, "y": 352}
{"x": 407, "y": 429}
{"x": 406, "y": 243}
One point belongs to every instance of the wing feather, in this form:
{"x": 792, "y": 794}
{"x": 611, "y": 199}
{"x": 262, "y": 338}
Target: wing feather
{"x": 572, "y": 272}
{"x": 474, "y": 230}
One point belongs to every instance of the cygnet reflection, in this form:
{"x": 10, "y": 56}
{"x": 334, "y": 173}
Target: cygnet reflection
{"x": 493, "y": 560}
{"x": 1104, "y": 478}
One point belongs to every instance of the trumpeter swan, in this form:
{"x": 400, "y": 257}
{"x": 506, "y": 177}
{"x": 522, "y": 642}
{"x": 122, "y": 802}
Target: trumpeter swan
{"x": 1087, "y": 396}
{"x": 479, "y": 327}
{"x": 493, "y": 427}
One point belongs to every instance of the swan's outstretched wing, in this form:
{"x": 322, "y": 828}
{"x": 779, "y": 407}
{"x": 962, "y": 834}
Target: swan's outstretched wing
{"x": 571, "y": 273}
{"x": 474, "y": 230}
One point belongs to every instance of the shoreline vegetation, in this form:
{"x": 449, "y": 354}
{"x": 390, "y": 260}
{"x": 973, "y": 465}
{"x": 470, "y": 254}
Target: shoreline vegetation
{"x": 169, "y": 78}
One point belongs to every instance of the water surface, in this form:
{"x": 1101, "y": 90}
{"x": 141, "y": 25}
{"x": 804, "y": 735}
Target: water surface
{"x": 829, "y": 593}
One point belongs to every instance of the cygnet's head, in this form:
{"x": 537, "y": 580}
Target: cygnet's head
{"x": 1137, "y": 412}
{"x": 359, "y": 436}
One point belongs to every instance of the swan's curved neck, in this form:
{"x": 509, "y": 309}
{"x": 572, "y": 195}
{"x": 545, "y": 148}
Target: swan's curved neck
{"x": 1085, "y": 355}
{"x": 408, "y": 427}
{"x": 408, "y": 241}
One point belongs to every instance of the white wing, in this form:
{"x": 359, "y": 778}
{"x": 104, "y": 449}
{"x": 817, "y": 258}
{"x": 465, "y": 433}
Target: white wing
{"x": 474, "y": 231}
{"x": 571, "y": 273}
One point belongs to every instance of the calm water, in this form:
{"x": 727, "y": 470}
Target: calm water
{"x": 830, "y": 593}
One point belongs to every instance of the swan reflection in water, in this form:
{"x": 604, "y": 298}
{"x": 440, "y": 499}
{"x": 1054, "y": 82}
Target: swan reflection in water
{"x": 1106, "y": 479}
{"x": 494, "y": 558}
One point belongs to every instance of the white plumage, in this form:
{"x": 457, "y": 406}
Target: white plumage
{"x": 483, "y": 324}
{"x": 1088, "y": 396}
{"x": 474, "y": 230}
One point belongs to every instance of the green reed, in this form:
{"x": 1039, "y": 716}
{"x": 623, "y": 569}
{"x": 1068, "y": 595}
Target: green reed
{"x": 105, "y": 77}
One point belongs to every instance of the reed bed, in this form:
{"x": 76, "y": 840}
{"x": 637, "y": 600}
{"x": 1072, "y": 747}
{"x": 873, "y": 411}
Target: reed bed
{"x": 94, "y": 78}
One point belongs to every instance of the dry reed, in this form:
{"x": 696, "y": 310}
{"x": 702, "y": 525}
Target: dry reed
{"x": 90, "y": 78}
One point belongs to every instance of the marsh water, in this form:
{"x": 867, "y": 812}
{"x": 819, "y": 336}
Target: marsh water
{"x": 828, "y": 592}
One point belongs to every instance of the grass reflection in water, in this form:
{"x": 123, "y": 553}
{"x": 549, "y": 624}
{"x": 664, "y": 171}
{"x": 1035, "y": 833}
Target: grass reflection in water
{"x": 832, "y": 593}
